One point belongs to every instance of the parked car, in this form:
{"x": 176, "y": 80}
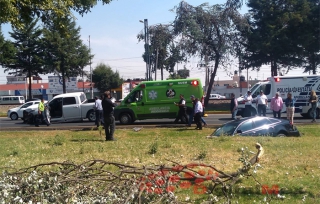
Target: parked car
{"x": 216, "y": 96}
{"x": 17, "y": 112}
{"x": 33, "y": 99}
{"x": 257, "y": 126}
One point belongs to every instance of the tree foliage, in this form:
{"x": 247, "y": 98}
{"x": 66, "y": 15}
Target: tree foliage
{"x": 28, "y": 60}
{"x": 65, "y": 53}
{"x": 7, "y": 51}
{"x": 104, "y": 78}
{"x": 208, "y": 32}
{"x": 16, "y": 12}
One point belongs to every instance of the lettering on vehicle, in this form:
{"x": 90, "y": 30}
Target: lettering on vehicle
{"x": 164, "y": 109}
{"x": 294, "y": 89}
{"x": 182, "y": 82}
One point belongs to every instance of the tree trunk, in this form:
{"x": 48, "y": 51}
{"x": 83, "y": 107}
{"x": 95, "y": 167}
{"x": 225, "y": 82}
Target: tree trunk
{"x": 274, "y": 68}
{"x": 213, "y": 74}
{"x": 63, "y": 82}
{"x": 29, "y": 85}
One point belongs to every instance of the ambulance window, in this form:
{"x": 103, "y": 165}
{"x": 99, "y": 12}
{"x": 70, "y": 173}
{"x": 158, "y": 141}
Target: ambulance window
{"x": 267, "y": 89}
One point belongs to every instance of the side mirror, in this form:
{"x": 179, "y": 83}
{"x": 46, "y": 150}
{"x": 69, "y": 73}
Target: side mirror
{"x": 239, "y": 131}
{"x": 254, "y": 95}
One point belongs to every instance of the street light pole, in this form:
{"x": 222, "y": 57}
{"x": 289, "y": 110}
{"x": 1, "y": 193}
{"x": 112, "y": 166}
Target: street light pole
{"x": 91, "y": 88}
{"x": 146, "y": 45}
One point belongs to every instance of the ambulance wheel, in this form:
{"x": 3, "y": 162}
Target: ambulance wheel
{"x": 125, "y": 119}
{"x": 317, "y": 113}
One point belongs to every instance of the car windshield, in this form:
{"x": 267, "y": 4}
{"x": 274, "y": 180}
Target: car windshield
{"x": 226, "y": 129}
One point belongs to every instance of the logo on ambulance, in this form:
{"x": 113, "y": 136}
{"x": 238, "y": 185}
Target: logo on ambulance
{"x": 153, "y": 94}
{"x": 170, "y": 93}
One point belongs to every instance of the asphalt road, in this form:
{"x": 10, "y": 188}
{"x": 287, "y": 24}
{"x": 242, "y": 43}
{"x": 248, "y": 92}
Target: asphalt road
{"x": 213, "y": 120}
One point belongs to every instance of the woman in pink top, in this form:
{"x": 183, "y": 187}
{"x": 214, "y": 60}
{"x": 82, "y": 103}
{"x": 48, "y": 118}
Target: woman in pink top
{"x": 276, "y": 105}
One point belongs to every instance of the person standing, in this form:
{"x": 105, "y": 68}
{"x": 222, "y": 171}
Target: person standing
{"x": 314, "y": 101}
{"x": 289, "y": 102}
{"x": 109, "y": 120}
{"x": 262, "y": 102}
{"x": 197, "y": 113}
{"x": 248, "y": 103}
{"x": 41, "y": 114}
{"x": 98, "y": 111}
{"x": 233, "y": 106}
{"x": 190, "y": 111}
{"x": 276, "y": 105}
{"x": 182, "y": 110}
{"x": 202, "y": 119}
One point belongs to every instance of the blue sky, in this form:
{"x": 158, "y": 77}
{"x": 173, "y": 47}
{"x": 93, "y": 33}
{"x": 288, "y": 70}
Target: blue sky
{"x": 113, "y": 30}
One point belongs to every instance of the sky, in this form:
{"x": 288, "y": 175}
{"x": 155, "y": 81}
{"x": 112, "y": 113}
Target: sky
{"x": 113, "y": 30}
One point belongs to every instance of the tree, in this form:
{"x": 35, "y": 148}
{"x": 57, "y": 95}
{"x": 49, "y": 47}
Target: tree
{"x": 66, "y": 54}
{"x": 272, "y": 38}
{"x": 105, "y": 79}
{"x": 208, "y": 32}
{"x": 7, "y": 51}
{"x": 309, "y": 36}
{"x": 16, "y": 12}
{"x": 28, "y": 59}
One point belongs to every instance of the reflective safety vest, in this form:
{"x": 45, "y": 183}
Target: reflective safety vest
{"x": 41, "y": 106}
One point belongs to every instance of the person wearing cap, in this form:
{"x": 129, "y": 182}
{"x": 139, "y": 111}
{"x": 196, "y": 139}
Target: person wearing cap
{"x": 276, "y": 105}
{"x": 248, "y": 102}
{"x": 262, "y": 102}
{"x": 182, "y": 109}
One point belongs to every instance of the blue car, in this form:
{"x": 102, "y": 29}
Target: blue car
{"x": 257, "y": 126}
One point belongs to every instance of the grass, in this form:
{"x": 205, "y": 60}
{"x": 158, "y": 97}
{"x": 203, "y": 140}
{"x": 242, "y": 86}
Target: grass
{"x": 292, "y": 163}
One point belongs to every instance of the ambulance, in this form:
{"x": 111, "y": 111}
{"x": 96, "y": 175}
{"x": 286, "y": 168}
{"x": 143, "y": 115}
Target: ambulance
{"x": 299, "y": 86}
{"x": 156, "y": 100}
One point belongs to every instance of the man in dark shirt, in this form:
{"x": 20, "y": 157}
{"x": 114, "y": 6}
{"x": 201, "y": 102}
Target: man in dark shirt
{"x": 109, "y": 121}
{"x": 182, "y": 110}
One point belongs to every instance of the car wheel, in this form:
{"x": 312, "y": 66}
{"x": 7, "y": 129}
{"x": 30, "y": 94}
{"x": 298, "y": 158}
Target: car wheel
{"x": 14, "y": 116}
{"x": 91, "y": 115}
{"x": 281, "y": 135}
{"x": 125, "y": 119}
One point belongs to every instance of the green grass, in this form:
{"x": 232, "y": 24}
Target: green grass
{"x": 292, "y": 163}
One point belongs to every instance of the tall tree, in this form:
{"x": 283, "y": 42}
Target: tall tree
{"x": 273, "y": 38}
{"x": 16, "y": 12}
{"x": 28, "y": 59}
{"x": 105, "y": 79}
{"x": 7, "y": 51}
{"x": 65, "y": 53}
{"x": 208, "y": 32}
{"x": 309, "y": 36}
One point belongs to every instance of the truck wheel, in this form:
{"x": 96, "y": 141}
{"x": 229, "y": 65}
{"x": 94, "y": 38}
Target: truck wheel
{"x": 125, "y": 119}
{"x": 14, "y": 116}
{"x": 91, "y": 115}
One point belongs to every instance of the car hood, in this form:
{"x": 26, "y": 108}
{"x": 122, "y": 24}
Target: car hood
{"x": 15, "y": 109}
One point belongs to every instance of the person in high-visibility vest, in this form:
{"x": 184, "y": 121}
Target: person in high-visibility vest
{"x": 41, "y": 114}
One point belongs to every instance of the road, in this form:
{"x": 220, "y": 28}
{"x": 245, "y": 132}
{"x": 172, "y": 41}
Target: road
{"x": 213, "y": 120}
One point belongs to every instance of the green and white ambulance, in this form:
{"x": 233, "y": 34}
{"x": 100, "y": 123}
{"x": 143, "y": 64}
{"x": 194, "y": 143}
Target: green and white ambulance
{"x": 156, "y": 100}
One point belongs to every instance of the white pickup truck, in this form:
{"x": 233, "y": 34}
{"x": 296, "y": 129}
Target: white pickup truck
{"x": 70, "y": 107}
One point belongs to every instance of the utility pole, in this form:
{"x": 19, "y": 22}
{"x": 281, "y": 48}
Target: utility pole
{"x": 146, "y": 46}
{"x": 155, "y": 70}
{"x": 91, "y": 88}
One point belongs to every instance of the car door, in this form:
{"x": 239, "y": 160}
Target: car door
{"x": 24, "y": 107}
{"x": 245, "y": 128}
{"x": 262, "y": 126}
{"x": 71, "y": 109}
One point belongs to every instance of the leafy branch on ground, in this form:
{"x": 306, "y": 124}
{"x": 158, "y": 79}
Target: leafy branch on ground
{"x": 99, "y": 181}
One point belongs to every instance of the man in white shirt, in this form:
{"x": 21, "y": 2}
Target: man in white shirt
{"x": 248, "y": 102}
{"x": 198, "y": 109}
{"x": 99, "y": 111}
{"x": 262, "y": 102}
